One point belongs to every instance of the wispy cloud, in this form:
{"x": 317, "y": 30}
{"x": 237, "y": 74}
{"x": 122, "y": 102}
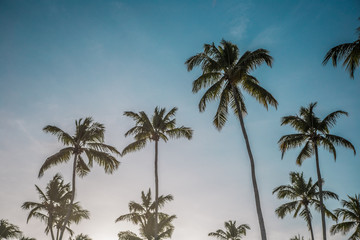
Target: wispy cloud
{"x": 267, "y": 37}
{"x": 240, "y": 24}
{"x": 21, "y": 126}
{"x": 239, "y": 29}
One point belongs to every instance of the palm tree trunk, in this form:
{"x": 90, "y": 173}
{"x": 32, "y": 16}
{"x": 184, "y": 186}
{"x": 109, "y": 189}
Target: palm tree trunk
{"x": 156, "y": 190}
{"x": 68, "y": 214}
{"x": 52, "y": 233}
{"x": 309, "y": 222}
{"x": 57, "y": 233}
{"x": 50, "y": 223}
{"x": 252, "y": 165}
{"x": 320, "y": 191}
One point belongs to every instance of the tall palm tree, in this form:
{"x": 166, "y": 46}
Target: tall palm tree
{"x": 313, "y": 132}
{"x": 302, "y": 195}
{"x": 8, "y": 230}
{"x": 225, "y": 75}
{"x": 350, "y": 216}
{"x": 350, "y": 52}
{"x": 161, "y": 126}
{"x": 89, "y": 140}
{"x": 232, "y": 232}
{"x": 53, "y": 207}
{"x": 143, "y": 214}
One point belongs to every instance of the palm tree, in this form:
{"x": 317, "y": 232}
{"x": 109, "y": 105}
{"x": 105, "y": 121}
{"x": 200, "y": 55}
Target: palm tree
{"x": 232, "y": 232}
{"x": 302, "y": 195}
{"x": 8, "y": 230}
{"x": 350, "y": 52}
{"x": 162, "y": 125}
{"x": 26, "y": 238}
{"x": 88, "y": 139}
{"x": 297, "y": 237}
{"x": 143, "y": 214}
{"x": 81, "y": 237}
{"x": 313, "y": 132}
{"x": 128, "y": 235}
{"x": 350, "y": 215}
{"x": 223, "y": 73}
{"x": 53, "y": 207}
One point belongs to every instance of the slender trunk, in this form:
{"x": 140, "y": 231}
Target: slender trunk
{"x": 50, "y": 221}
{"x": 156, "y": 189}
{"x": 252, "y": 165}
{"x": 52, "y": 233}
{"x": 320, "y": 191}
{"x": 57, "y": 233}
{"x": 309, "y": 222}
{"x": 69, "y": 211}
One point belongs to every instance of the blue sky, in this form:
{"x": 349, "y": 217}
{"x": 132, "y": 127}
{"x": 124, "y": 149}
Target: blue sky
{"x": 62, "y": 60}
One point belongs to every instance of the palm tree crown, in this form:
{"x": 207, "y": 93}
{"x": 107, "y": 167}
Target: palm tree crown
{"x": 225, "y": 75}
{"x": 350, "y": 216}
{"x": 81, "y": 237}
{"x": 302, "y": 195}
{"x": 350, "y": 52}
{"x": 8, "y": 230}
{"x": 232, "y": 232}
{"x": 143, "y": 214}
{"x": 88, "y": 139}
{"x": 312, "y": 131}
{"x": 162, "y": 125}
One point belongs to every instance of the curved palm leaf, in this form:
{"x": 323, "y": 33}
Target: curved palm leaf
{"x": 350, "y": 216}
{"x": 350, "y": 52}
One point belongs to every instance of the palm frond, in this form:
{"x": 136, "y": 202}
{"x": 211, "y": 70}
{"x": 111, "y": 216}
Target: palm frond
{"x": 128, "y": 235}
{"x": 211, "y": 94}
{"x": 136, "y": 117}
{"x": 330, "y": 120}
{"x": 62, "y": 136}
{"x": 62, "y": 156}
{"x": 252, "y": 60}
{"x": 286, "y": 208}
{"x": 135, "y": 146}
{"x": 103, "y": 147}
{"x": 328, "y": 146}
{"x": 235, "y": 98}
{"x": 305, "y": 153}
{"x": 180, "y": 132}
{"x": 343, "y": 227}
{"x": 206, "y": 80}
{"x": 103, "y": 159}
{"x": 296, "y": 122}
{"x": 340, "y": 141}
{"x": 222, "y": 110}
{"x": 81, "y": 167}
{"x": 287, "y": 142}
{"x": 259, "y": 93}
